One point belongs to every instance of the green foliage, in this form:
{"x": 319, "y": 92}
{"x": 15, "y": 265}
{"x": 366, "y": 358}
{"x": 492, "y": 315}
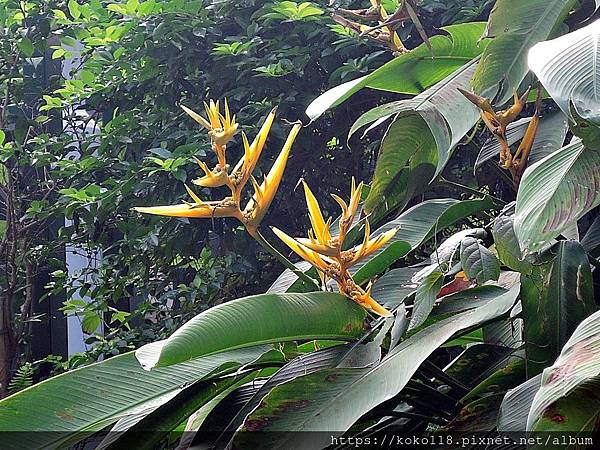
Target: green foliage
{"x": 23, "y": 378}
{"x": 132, "y": 64}
{"x": 241, "y": 323}
{"x": 485, "y": 293}
{"x": 515, "y": 28}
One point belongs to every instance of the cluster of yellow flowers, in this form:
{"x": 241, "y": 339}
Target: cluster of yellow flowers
{"x": 322, "y": 249}
{"x": 325, "y": 251}
{"x": 221, "y": 129}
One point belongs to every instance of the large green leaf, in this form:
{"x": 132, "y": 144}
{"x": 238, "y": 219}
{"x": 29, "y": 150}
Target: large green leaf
{"x": 516, "y": 405}
{"x": 404, "y": 140}
{"x": 432, "y": 123}
{"x": 555, "y": 300}
{"x": 555, "y": 193}
{"x": 302, "y": 365}
{"x": 73, "y": 405}
{"x": 575, "y": 54}
{"x": 578, "y": 365}
{"x": 199, "y": 417}
{"x": 411, "y": 73}
{"x": 333, "y": 399}
{"x": 258, "y": 319}
{"x": 416, "y": 225}
{"x": 515, "y": 27}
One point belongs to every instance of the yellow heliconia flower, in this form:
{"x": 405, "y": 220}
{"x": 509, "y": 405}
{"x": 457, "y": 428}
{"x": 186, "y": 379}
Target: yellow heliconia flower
{"x": 205, "y": 210}
{"x": 265, "y": 192}
{"x": 221, "y": 129}
{"x": 348, "y": 210}
{"x": 305, "y": 253}
{"x": 368, "y": 246}
{"x": 246, "y": 165}
{"x": 325, "y": 253}
{"x": 212, "y": 178}
{"x": 364, "y": 299}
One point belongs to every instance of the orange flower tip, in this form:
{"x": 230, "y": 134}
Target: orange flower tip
{"x": 193, "y": 195}
{"x": 209, "y": 182}
{"x": 376, "y": 308}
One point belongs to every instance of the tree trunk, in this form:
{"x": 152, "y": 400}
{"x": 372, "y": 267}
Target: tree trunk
{"x": 7, "y": 345}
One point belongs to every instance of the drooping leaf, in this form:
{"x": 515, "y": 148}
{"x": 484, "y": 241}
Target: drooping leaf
{"x": 556, "y": 297}
{"x": 198, "y": 418}
{"x": 509, "y": 373}
{"x": 83, "y": 401}
{"x": 591, "y": 240}
{"x": 258, "y": 319}
{"x": 302, "y": 365}
{"x": 482, "y": 410}
{"x": 393, "y": 287}
{"x": 575, "y": 54}
{"x": 550, "y": 137}
{"x": 403, "y": 140}
{"x": 478, "y": 262}
{"x": 413, "y": 72}
{"x": 332, "y": 400}
{"x": 556, "y": 192}
{"x": 425, "y": 296}
{"x": 147, "y": 433}
{"x": 515, "y": 27}
{"x": 432, "y": 123}
{"x": 578, "y": 365}
{"x": 507, "y": 245}
{"x": 473, "y": 364}
{"x": 516, "y": 405}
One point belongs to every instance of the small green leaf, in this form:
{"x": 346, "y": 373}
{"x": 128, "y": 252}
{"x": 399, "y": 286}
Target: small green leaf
{"x": 425, "y": 298}
{"x": 90, "y": 322}
{"x": 74, "y": 9}
{"x": 26, "y": 46}
{"x": 58, "y": 53}
{"x": 478, "y": 262}
{"x": 87, "y": 77}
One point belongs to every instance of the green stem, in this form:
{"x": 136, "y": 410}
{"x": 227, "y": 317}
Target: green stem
{"x": 282, "y": 259}
{"x": 462, "y": 187}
